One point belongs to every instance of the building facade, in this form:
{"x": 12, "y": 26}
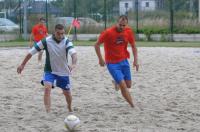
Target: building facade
{"x": 143, "y": 5}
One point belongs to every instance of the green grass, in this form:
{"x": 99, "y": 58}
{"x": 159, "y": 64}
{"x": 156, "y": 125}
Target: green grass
{"x": 14, "y": 44}
{"x": 91, "y": 43}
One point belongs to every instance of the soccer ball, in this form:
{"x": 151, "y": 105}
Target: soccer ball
{"x": 71, "y": 122}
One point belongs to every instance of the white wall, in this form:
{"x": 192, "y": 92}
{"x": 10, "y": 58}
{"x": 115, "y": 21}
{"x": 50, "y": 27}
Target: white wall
{"x": 131, "y": 3}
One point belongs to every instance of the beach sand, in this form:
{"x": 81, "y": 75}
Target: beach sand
{"x": 166, "y": 93}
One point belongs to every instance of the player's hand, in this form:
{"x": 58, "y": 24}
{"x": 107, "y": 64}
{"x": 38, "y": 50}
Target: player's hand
{"x": 136, "y": 65}
{"x": 101, "y": 62}
{"x": 20, "y": 69}
{"x": 71, "y": 67}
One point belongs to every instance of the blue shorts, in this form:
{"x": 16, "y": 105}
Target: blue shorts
{"x": 120, "y": 71}
{"x": 60, "y": 81}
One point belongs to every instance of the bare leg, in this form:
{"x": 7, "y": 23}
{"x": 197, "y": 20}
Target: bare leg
{"x": 68, "y": 98}
{"x": 47, "y": 97}
{"x": 128, "y": 83}
{"x": 125, "y": 93}
{"x": 116, "y": 86}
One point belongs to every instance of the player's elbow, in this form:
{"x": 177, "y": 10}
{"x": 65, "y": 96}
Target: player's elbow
{"x": 97, "y": 45}
{"x": 134, "y": 47}
{"x": 74, "y": 56}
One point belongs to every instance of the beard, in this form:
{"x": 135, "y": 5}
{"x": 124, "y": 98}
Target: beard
{"x": 119, "y": 29}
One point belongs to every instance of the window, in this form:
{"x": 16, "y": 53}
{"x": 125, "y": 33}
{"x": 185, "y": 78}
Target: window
{"x": 126, "y": 5}
{"x": 147, "y": 4}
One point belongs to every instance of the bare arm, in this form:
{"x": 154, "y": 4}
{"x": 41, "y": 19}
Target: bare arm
{"x": 21, "y": 67}
{"x": 74, "y": 62}
{"x": 135, "y": 54}
{"x": 74, "y": 59}
{"x": 98, "y": 53}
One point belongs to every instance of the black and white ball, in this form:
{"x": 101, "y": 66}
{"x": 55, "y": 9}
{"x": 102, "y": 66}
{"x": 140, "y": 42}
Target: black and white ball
{"x": 71, "y": 122}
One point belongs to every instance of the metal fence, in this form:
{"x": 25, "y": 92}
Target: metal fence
{"x": 145, "y": 16}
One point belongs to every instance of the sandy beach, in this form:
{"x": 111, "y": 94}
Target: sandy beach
{"x": 166, "y": 93}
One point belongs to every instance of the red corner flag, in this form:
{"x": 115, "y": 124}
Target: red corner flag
{"x": 76, "y": 23}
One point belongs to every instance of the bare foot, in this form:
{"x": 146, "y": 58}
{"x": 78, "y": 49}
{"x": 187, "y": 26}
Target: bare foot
{"x": 132, "y": 106}
{"x": 48, "y": 109}
{"x": 70, "y": 109}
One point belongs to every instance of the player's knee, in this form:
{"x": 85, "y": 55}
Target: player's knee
{"x": 47, "y": 90}
{"x": 67, "y": 92}
{"x": 128, "y": 85}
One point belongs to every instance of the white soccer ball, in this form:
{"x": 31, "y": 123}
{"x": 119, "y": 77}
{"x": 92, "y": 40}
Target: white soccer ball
{"x": 71, "y": 122}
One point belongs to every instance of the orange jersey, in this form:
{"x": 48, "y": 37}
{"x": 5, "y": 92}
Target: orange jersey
{"x": 115, "y": 44}
{"x": 39, "y": 32}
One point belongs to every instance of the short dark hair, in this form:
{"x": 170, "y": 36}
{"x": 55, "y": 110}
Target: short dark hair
{"x": 42, "y": 19}
{"x": 123, "y": 17}
{"x": 59, "y": 27}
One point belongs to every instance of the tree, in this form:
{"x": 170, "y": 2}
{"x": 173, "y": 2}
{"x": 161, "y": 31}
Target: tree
{"x": 85, "y": 7}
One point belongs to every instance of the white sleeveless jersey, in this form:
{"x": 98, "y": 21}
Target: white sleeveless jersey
{"x": 56, "y": 54}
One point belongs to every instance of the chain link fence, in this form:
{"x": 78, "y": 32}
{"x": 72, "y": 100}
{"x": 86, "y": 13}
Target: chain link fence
{"x": 147, "y": 17}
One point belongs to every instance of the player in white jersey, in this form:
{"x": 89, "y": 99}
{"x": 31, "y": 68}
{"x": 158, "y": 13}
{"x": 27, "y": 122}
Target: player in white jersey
{"x": 57, "y": 48}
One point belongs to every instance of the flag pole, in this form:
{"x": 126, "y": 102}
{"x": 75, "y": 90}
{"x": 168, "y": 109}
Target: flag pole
{"x": 70, "y": 28}
{"x": 75, "y": 24}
